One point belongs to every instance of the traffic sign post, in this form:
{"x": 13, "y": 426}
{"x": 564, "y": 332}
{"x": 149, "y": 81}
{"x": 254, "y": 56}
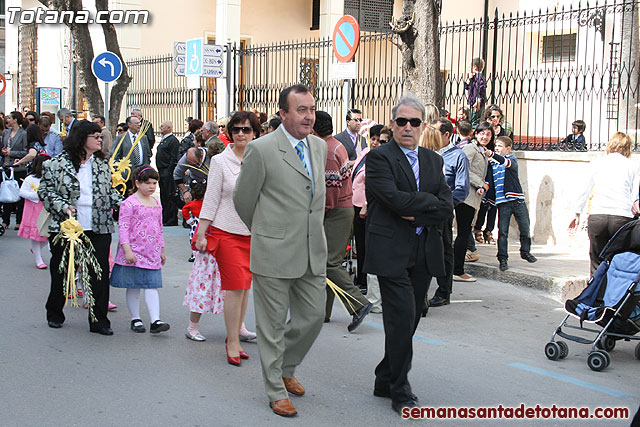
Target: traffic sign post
{"x": 346, "y": 39}
{"x": 212, "y": 60}
{"x": 107, "y": 67}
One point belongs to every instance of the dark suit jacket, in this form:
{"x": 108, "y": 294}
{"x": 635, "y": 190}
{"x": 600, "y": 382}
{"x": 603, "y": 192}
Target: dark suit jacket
{"x": 151, "y": 136}
{"x": 167, "y": 153}
{"x": 391, "y": 194}
{"x": 345, "y": 139}
{"x": 126, "y": 146}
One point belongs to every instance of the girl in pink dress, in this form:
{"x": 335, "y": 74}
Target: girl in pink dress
{"x": 32, "y": 208}
{"x": 140, "y": 254}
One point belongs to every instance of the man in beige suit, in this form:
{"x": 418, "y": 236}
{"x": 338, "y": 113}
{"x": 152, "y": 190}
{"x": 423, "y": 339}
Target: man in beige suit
{"x": 280, "y": 196}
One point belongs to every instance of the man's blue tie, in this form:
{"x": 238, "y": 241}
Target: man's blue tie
{"x": 415, "y": 166}
{"x": 300, "y": 151}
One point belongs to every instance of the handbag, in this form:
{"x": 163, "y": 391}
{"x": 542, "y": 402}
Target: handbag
{"x": 9, "y": 189}
{"x": 44, "y": 218}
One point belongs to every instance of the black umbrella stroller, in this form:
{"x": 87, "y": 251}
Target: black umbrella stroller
{"x": 610, "y": 300}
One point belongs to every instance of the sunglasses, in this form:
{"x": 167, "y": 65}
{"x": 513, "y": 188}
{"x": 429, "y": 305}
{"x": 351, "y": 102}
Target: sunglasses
{"x": 357, "y": 120}
{"x": 402, "y": 122}
{"x": 244, "y": 129}
{"x": 31, "y": 119}
{"x": 221, "y": 126}
{"x": 496, "y": 117}
{"x": 119, "y": 130}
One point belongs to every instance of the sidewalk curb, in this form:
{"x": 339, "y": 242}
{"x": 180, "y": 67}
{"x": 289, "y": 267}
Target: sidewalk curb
{"x": 559, "y": 288}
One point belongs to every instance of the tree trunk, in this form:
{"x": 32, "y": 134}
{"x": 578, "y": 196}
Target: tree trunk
{"x": 629, "y": 63}
{"x": 419, "y": 33}
{"x": 83, "y": 56}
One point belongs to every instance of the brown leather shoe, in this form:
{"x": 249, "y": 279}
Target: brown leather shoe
{"x": 283, "y": 407}
{"x": 293, "y": 386}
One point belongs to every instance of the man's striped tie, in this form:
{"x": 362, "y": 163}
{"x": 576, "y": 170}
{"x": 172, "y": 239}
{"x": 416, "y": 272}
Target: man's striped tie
{"x": 415, "y": 166}
{"x": 300, "y": 151}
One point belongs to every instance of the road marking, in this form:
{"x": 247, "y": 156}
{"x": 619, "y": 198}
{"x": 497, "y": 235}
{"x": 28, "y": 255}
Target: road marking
{"x": 569, "y": 380}
{"x": 415, "y": 337}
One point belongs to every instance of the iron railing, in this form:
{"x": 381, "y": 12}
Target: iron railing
{"x": 544, "y": 69}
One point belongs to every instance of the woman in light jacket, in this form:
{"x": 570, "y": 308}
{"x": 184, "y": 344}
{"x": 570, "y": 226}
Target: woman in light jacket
{"x": 14, "y": 147}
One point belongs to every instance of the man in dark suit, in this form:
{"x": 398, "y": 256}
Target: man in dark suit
{"x": 166, "y": 161}
{"x": 408, "y": 201}
{"x": 150, "y": 134}
{"x": 350, "y": 138}
{"x": 140, "y": 155}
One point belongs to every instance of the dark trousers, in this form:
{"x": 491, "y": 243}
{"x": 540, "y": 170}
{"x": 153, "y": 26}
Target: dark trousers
{"x": 359, "y": 229}
{"x": 445, "y": 283}
{"x": 464, "y": 218}
{"x": 167, "y": 191}
{"x": 488, "y": 211}
{"x": 55, "y": 303}
{"x": 517, "y": 208}
{"x": 17, "y": 207}
{"x": 601, "y": 228}
{"x": 403, "y": 299}
{"x": 337, "y": 227}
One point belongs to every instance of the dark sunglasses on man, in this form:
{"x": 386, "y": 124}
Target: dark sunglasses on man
{"x": 402, "y": 121}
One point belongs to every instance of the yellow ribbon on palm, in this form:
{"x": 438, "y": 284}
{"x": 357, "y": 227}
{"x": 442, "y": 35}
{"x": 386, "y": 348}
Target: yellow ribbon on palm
{"x": 345, "y": 297}
{"x": 78, "y": 255}
{"x": 123, "y": 166}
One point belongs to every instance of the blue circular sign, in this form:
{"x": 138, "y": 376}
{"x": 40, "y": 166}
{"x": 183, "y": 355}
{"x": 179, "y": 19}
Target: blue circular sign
{"x": 106, "y": 67}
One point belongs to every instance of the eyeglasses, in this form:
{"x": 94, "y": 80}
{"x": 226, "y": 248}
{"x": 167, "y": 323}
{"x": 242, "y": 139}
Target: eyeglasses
{"x": 357, "y": 120}
{"x": 402, "y": 122}
{"x": 95, "y": 136}
{"x": 244, "y": 129}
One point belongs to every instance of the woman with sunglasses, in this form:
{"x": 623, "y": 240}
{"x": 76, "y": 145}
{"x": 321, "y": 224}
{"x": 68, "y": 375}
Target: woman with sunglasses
{"x": 222, "y": 234}
{"x": 494, "y": 116}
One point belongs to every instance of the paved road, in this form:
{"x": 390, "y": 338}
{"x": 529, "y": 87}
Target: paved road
{"x": 485, "y": 349}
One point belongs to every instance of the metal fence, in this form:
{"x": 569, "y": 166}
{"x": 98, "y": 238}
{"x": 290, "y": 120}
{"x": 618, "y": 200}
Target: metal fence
{"x": 264, "y": 70}
{"x": 544, "y": 69}
{"x": 548, "y": 68}
{"x": 161, "y": 95}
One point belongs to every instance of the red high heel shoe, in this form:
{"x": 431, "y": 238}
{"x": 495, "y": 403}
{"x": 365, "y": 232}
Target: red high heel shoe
{"x": 235, "y": 361}
{"x": 244, "y": 355}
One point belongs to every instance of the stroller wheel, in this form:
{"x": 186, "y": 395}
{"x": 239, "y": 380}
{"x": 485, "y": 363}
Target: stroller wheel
{"x": 552, "y": 351}
{"x": 607, "y": 343}
{"x": 564, "y": 349}
{"x": 638, "y": 351}
{"x": 597, "y": 360}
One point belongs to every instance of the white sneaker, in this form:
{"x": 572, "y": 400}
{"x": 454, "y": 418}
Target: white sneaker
{"x": 247, "y": 335}
{"x": 463, "y": 278}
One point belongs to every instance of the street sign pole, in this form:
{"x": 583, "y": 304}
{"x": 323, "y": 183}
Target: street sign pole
{"x": 106, "y": 104}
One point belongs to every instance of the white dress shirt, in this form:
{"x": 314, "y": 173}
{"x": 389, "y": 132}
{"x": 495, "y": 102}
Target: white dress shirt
{"x": 85, "y": 201}
{"x": 307, "y": 153}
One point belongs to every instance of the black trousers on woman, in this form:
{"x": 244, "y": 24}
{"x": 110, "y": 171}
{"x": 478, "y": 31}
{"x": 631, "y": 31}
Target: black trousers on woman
{"x": 464, "y": 219}
{"x": 100, "y": 287}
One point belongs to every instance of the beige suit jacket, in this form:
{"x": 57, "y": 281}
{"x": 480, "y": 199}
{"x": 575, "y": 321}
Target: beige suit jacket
{"x": 273, "y": 198}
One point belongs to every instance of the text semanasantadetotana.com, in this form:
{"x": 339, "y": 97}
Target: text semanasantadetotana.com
{"x": 518, "y": 412}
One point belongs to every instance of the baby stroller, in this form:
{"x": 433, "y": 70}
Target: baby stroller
{"x": 611, "y": 300}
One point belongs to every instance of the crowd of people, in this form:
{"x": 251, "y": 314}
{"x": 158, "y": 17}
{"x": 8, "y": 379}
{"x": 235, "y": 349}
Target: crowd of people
{"x": 274, "y": 203}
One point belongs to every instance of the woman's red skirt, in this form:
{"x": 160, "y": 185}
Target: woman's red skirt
{"x": 232, "y": 252}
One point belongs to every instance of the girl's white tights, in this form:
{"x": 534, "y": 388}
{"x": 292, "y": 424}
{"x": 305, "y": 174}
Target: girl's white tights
{"x": 151, "y": 297}
{"x": 36, "y": 248}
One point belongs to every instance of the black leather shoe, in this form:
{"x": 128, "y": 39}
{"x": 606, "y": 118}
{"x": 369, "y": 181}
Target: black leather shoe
{"x": 159, "y": 326}
{"x": 137, "y": 326}
{"x": 398, "y": 406}
{"x": 55, "y": 325}
{"x": 503, "y": 265}
{"x": 425, "y": 310}
{"x": 528, "y": 257}
{"x": 102, "y": 331}
{"x": 386, "y": 393}
{"x": 437, "y": 301}
{"x": 359, "y": 316}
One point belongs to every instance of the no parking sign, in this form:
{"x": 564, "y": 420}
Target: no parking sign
{"x": 346, "y": 38}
